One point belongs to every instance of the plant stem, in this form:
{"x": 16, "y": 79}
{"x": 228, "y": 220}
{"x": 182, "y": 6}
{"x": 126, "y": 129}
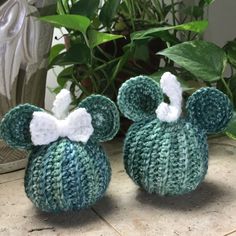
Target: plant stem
{"x": 159, "y": 9}
{"x": 173, "y": 15}
{"x": 107, "y": 55}
{"x": 107, "y": 63}
{"x": 228, "y": 89}
{"x": 61, "y": 4}
{"x": 131, "y": 13}
{"x": 79, "y": 85}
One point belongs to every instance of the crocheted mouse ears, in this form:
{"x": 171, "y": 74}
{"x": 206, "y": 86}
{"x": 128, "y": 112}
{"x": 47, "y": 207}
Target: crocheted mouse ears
{"x": 141, "y": 97}
{"x": 96, "y": 114}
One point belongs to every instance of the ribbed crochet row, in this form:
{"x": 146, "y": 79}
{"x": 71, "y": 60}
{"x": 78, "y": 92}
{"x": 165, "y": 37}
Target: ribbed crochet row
{"x": 169, "y": 158}
{"x": 66, "y": 175}
{"x": 166, "y": 158}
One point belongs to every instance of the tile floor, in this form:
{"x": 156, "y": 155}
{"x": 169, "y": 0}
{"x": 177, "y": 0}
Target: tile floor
{"x": 126, "y": 210}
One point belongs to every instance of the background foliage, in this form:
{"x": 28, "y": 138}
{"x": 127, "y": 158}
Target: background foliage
{"x": 110, "y": 41}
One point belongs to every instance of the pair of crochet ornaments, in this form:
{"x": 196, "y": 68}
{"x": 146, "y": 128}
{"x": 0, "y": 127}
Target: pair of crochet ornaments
{"x": 164, "y": 153}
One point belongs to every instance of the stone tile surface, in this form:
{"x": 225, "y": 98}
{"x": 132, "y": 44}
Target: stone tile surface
{"x": 127, "y": 210}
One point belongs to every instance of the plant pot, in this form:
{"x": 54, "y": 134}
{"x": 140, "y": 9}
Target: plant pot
{"x": 25, "y": 44}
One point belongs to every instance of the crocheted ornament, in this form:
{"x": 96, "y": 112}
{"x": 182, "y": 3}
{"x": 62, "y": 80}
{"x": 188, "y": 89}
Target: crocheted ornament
{"x": 165, "y": 153}
{"x": 67, "y": 168}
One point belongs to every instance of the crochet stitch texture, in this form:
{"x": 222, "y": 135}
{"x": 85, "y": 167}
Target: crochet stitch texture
{"x": 64, "y": 175}
{"x": 67, "y": 175}
{"x": 169, "y": 158}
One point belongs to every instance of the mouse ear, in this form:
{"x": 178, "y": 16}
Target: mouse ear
{"x": 105, "y": 116}
{"x": 139, "y": 98}
{"x": 210, "y": 109}
{"x": 15, "y": 126}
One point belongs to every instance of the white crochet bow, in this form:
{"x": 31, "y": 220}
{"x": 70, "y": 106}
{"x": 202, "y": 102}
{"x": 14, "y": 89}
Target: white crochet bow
{"x": 46, "y": 128}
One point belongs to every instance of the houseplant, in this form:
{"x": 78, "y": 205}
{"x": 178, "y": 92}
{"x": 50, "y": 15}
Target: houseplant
{"x": 112, "y": 41}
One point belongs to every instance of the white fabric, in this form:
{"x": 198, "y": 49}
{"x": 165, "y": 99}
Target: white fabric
{"x": 172, "y": 88}
{"x": 61, "y": 104}
{"x": 46, "y": 128}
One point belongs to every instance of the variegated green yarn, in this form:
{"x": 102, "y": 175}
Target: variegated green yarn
{"x": 66, "y": 175}
{"x": 169, "y": 158}
{"x": 166, "y": 158}
{"x": 138, "y": 99}
{"x": 106, "y": 118}
{"x": 209, "y": 109}
{"x": 14, "y": 128}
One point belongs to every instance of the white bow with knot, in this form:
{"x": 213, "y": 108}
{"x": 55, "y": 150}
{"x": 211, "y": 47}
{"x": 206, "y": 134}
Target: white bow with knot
{"x": 46, "y": 128}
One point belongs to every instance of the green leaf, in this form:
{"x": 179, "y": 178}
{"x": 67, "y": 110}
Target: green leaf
{"x": 96, "y": 38}
{"x": 56, "y": 90}
{"x": 61, "y": 9}
{"x": 231, "y": 128}
{"x": 64, "y": 76}
{"x": 108, "y": 12}
{"x": 141, "y": 52}
{"x": 195, "y": 11}
{"x": 203, "y": 59}
{"x": 202, "y": 3}
{"x": 230, "y": 49}
{"x": 77, "y": 54}
{"x": 55, "y": 50}
{"x": 124, "y": 59}
{"x": 73, "y": 22}
{"x": 194, "y": 26}
{"x": 157, "y": 77}
{"x": 85, "y": 8}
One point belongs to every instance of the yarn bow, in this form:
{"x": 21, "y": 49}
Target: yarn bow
{"x": 46, "y": 128}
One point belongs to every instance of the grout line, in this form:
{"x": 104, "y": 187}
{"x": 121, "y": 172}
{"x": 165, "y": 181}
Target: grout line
{"x": 230, "y": 233}
{"x": 106, "y": 222}
{"x": 223, "y": 144}
{"x": 10, "y": 181}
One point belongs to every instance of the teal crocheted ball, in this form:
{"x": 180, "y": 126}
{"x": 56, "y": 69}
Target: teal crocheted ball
{"x": 166, "y": 158}
{"x": 169, "y": 157}
{"x": 67, "y": 167}
{"x": 66, "y": 175}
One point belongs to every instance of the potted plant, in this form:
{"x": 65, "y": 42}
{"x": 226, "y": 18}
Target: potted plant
{"x": 113, "y": 40}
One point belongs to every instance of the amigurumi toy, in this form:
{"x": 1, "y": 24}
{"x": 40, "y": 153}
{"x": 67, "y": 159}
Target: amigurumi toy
{"x": 67, "y": 168}
{"x": 164, "y": 152}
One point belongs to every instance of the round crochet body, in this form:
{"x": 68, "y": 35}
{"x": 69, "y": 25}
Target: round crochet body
{"x": 166, "y": 158}
{"x": 66, "y": 175}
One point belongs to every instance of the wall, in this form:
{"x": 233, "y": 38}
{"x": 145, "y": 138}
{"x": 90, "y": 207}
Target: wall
{"x": 222, "y": 18}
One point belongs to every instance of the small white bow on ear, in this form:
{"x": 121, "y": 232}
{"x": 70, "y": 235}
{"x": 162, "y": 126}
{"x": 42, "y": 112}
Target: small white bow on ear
{"x": 172, "y": 88}
{"x": 46, "y": 128}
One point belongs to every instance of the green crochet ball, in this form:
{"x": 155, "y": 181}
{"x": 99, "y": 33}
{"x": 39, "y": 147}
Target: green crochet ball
{"x": 65, "y": 175}
{"x": 169, "y": 158}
